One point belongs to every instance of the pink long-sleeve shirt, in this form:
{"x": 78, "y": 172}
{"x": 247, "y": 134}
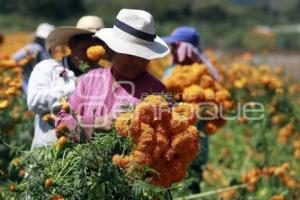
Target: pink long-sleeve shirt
{"x": 98, "y": 94}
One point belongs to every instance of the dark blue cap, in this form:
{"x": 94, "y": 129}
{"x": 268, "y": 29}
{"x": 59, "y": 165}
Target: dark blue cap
{"x": 184, "y": 34}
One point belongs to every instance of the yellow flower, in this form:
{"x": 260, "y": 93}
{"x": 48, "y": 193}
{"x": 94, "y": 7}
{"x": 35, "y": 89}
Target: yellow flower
{"x": 239, "y": 83}
{"x": 193, "y": 93}
{"x": 4, "y": 104}
{"x": 64, "y": 105}
{"x": 48, "y": 118}
{"x": 15, "y": 162}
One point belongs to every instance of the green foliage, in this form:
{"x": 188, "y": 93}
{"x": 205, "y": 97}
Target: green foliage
{"x": 16, "y": 129}
{"x": 82, "y": 171}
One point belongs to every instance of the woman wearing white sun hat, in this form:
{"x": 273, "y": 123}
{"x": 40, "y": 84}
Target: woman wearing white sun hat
{"x": 101, "y": 93}
{"x": 52, "y": 80}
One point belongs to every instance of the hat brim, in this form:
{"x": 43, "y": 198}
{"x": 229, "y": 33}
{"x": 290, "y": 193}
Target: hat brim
{"x": 170, "y": 39}
{"x": 144, "y": 49}
{"x": 173, "y": 40}
{"x": 60, "y": 36}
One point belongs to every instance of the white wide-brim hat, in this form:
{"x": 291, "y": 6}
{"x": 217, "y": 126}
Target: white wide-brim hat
{"x": 43, "y": 30}
{"x": 85, "y": 25}
{"x": 134, "y": 33}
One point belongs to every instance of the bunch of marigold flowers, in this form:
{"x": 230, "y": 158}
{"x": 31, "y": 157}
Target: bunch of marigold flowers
{"x": 281, "y": 171}
{"x": 164, "y": 137}
{"x": 194, "y": 84}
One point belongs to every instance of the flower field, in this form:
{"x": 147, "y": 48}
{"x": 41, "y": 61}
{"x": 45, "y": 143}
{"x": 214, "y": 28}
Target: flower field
{"x": 254, "y": 145}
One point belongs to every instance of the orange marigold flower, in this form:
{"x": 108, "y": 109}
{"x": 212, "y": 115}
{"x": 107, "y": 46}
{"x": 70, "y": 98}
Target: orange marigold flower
{"x": 278, "y": 197}
{"x": 222, "y": 95}
{"x": 146, "y": 141}
{"x": 22, "y": 173}
{"x": 122, "y": 162}
{"x": 48, "y": 118}
{"x": 135, "y": 130}
{"x": 142, "y": 158}
{"x": 61, "y": 142}
{"x": 178, "y": 170}
{"x": 48, "y": 182}
{"x": 95, "y": 53}
{"x": 60, "y": 130}
{"x": 12, "y": 187}
{"x": 57, "y": 197}
{"x": 206, "y": 81}
{"x": 182, "y": 141}
{"x": 187, "y": 110}
{"x": 209, "y": 94}
{"x": 122, "y": 124}
{"x": 145, "y": 112}
{"x": 178, "y": 123}
{"x": 210, "y": 128}
{"x": 161, "y": 140}
{"x": 193, "y": 93}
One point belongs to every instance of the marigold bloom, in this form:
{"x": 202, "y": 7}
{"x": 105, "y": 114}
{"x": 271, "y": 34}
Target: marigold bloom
{"x": 178, "y": 170}
{"x": 206, "y": 81}
{"x": 48, "y": 118}
{"x": 60, "y": 130}
{"x": 209, "y": 94}
{"x": 210, "y": 128}
{"x": 4, "y": 104}
{"x": 181, "y": 141}
{"x": 22, "y": 173}
{"x": 122, "y": 162}
{"x": 57, "y": 197}
{"x": 170, "y": 143}
{"x": 12, "y": 187}
{"x": 95, "y": 53}
{"x": 145, "y": 112}
{"x": 178, "y": 123}
{"x": 48, "y": 182}
{"x": 61, "y": 142}
{"x": 193, "y": 93}
{"x": 142, "y": 158}
{"x": 122, "y": 124}
{"x": 186, "y": 110}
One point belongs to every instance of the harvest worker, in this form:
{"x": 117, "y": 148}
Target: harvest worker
{"x": 52, "y": 80}
{"x": 36, "y": 49}
{"x": 102, "y": 93}
{"x": 186, "y": 50}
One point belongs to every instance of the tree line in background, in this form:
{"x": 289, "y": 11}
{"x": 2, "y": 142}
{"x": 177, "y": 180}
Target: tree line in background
{"x": 222, "y": 23}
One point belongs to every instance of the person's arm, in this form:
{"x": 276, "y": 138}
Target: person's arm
{"x": 29, "y": 49}
{"x": 186, "y": 51}
{"x": 41, "y": 96}
{"x": 76, "y": 103}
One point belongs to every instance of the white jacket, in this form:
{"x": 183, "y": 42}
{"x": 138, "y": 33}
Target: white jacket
{"x": 46, "y": 87}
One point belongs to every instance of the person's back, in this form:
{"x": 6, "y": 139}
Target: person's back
{"x": 35, "y": 49}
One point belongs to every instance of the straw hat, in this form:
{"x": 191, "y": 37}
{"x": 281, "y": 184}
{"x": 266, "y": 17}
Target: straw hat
{"x": 134, "y": 33}
{"x": 85, "y": 25}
